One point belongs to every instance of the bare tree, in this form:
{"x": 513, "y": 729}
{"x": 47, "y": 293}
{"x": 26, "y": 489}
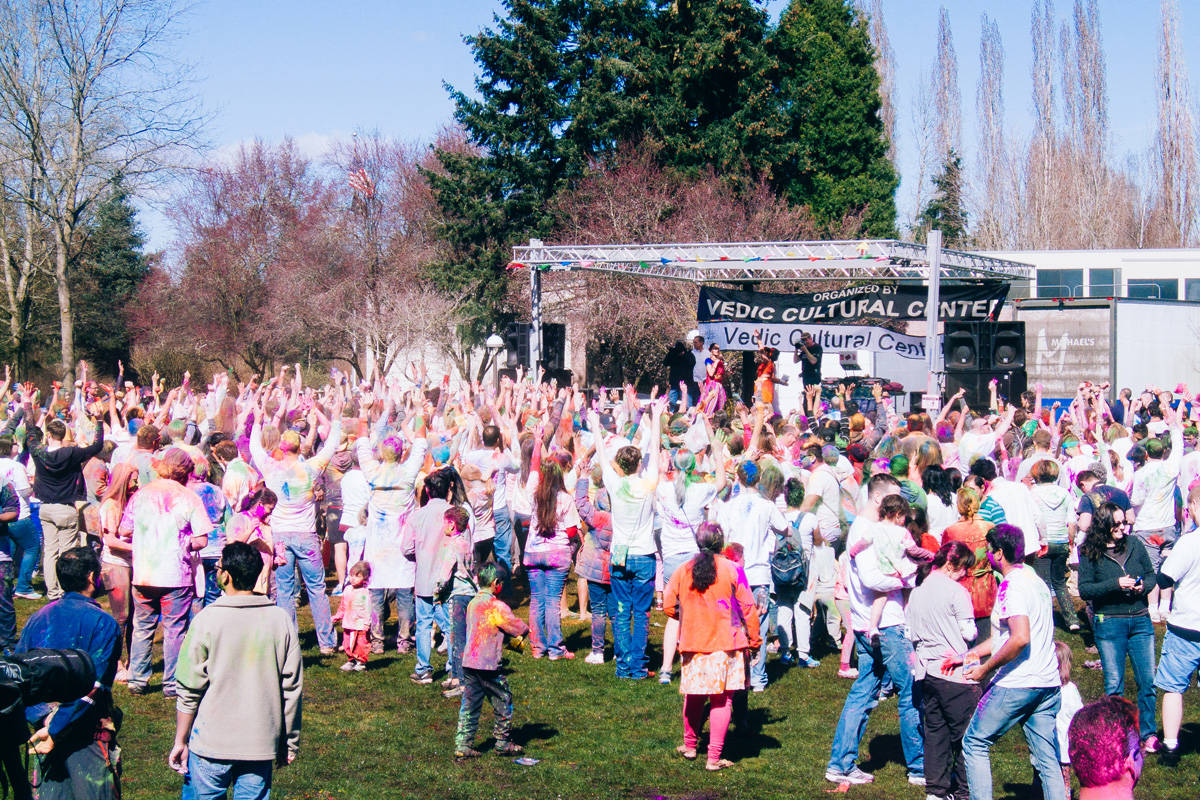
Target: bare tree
{"x": 885, "y": 67}
{"x": 993, "y": 228}
{"x": 947, "y": 99}
{"x": 1085, "y": 103}
{"x": 1039, "y": 166}
{"x": 924, "y": 122}
{"x": 89, "y": 89}
{"x": 1176, "y": 164}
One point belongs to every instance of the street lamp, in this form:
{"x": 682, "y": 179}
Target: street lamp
{"x": 495, "y": 343}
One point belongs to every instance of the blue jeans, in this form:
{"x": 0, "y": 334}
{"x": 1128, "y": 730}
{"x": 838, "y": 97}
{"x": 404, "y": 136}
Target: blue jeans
{"x": 600, "y": 607}
{"x": 502, "y": 541}
{"x": 8, "y": 614}
{"x": 381, "y": 599}
{"x": 27, "y": 553}
{"x": 758, "y": 667}
{"x": 210, "y": 780}
{"x": 212, "y": 589}
{"x": 428, "y": 612}
{"x": 673, "y": 398}
{"x": 998, "y": 711}
{"x": 891, "y": 657}
{"x": 1117, "y": 637}
{"x": 303, "y": 550}
{"x": 545, "y": 609}
{"x": 458, "y": 633}
{"x": 632, "y": 594}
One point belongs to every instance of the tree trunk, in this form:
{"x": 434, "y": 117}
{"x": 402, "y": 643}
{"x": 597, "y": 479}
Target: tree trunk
{"x": 66, "y": 325}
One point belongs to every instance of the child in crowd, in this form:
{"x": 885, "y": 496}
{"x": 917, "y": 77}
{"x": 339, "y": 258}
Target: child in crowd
{"x": 488, "y": 620}
{"x": 355, "y": 616}
{"x": 455, "y": 562}
{"x": 1071, "y": 703}
{"x": 896, "y": 551}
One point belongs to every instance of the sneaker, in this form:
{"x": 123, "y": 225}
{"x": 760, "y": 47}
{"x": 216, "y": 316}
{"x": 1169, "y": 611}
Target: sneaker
{"x": 1095, "y": 664}
{"x": 1168, "y": 756}
{"x": 508, "y": 749}
{"x": 847, "y": 672}
{"x": 1151, "y": 744}
{"x": 328, "y": 651}
{"x": 122, "y": 676}
{"x": 449, "y": 683}
{"x": 1073, "y": 627}
{"x": 855, "y": 776}
{"x": 594, "y": 657}
{"x": 28, "y": 595}
{"x": 808, "y": 662}
{"x": 360, "y": 666}
{"x": 773, "y": 647}
{"x": 347, "y": 667}
{"x": 787, "y": 660}
{"x": 465, "y": 752}
{"x": 453, "y": 692}
{"x": 169, "y": 692}
{"x": 404, "y": 648}
{"x": 664, "y": 677}
{"x": 421, "y": 678}
{"x": 565, "y": 655}
{"x": 915, "y": 779}
{"x": 377, "y": 648}
{"x": 138, "y": 688}
{"x": 444, "y": 646}
{"x": 758, "y": 689}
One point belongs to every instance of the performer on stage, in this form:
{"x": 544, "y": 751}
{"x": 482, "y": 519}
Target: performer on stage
{"x": 808, "y": 356}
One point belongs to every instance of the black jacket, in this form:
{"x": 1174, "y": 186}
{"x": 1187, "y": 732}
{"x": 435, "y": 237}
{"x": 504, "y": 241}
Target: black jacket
{"x": 1098, "y": 581}
{"x": 59, "y": 473}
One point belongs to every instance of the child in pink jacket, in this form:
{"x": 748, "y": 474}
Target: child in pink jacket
{"x": 355, "y": 616}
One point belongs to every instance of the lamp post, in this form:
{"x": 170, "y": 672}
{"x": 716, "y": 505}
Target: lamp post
{"x": 494, "y": 345}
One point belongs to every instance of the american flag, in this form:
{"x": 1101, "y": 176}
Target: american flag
{"x": 361, "y": 182}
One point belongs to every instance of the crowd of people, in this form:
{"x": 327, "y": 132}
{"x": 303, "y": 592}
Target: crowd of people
{"x": 925, "y": 552}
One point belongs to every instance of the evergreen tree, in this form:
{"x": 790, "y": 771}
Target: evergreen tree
{"x": 945, "y": 210}
{"x": 836, "y": 148}
{"x": 111, "y": 267}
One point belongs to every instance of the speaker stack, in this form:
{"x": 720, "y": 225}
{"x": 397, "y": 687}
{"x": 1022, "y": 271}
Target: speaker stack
{"x": 978, "y": 352}
{"x": 554, "y": 350}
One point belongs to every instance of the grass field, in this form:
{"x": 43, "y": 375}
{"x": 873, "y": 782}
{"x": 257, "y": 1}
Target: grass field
{"x": 376, "y": 735}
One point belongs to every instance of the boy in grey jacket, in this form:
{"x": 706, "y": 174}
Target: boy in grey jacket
{"x": 239, "y": 678}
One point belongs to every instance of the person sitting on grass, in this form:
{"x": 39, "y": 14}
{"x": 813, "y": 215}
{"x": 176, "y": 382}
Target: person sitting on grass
{"x": 488, "y": 620}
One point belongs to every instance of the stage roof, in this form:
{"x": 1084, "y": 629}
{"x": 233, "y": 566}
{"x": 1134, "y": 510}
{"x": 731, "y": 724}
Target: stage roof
{"x": 740, "y": 262}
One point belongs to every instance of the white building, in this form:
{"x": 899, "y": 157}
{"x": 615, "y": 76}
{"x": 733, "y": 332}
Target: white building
{"x": 1153, "y": 274}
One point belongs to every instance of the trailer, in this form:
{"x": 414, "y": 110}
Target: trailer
{"x": 1128, "y": 342}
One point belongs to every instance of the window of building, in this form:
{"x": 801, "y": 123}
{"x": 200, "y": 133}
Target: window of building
{"x": 1059, "y": 282}
{"x": 1104, "y": 283}
{"x": 1191, "y": 289}
{"x": 1156, "y": 288}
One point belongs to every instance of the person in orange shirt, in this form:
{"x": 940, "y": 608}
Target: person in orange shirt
{"x": 714, "y": 635}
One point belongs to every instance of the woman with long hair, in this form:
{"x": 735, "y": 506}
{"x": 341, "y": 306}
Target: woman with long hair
{"x": 116, "y": 558}
{"x": 252, "y": 525}
{"x": 520, "y": 493}
{"x": 942, "y": 507}
{"x": 714, "y": 635}
{"x": 979, "y": 581}
{"x": 1116, "y": 576}
{"x": 553, "y": 525}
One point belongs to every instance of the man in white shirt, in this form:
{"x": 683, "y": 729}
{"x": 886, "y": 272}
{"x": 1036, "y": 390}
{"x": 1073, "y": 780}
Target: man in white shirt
{"x": 497, "y": 463}
{"x": 1180, "y": 656}
{"x": 1153, "y": 497}
{"x": 891, "y": 653}
{"x": 1025, "y": 684}
{"x": 632, "y": 553}
{"x": 981, "y": 440}
{"x": 699, "y": 369}
{"x": 1017, "y": 502}
{"x": 823, "y": 496}
{"x": 751, "y": 520}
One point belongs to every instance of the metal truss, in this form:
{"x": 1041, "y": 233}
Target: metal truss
{"x": 871, "y": 259}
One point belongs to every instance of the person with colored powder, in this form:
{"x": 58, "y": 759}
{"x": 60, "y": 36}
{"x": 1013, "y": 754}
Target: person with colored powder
{"x": 294, "y": 522}
{"x": 355, "y": 616}
{"x": 167, "y": 524}
{"x": 488, "y": 620}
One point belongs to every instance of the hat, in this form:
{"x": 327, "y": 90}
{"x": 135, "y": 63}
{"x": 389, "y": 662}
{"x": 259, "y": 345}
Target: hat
{"x": 608, "y": 422}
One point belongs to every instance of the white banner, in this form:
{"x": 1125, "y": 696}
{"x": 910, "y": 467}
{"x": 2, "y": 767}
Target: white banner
{"x": 831, "y": 338}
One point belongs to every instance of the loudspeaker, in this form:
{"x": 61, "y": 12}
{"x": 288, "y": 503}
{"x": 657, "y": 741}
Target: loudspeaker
{"x": 554, "y": 345}
{"x": 1009, "y": 385}
{"x": 973, "y": 346}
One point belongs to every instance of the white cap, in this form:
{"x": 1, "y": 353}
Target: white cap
{"x": 692, "y": 334}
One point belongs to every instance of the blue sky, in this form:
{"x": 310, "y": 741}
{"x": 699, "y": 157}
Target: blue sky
{"x": 317, "y": 70}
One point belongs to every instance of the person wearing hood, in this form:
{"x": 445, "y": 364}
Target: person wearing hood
{"x": 1054, "y": 512}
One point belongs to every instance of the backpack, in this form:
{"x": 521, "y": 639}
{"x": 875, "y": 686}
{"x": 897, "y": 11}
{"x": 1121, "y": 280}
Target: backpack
{"x": 789, "y": 564}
